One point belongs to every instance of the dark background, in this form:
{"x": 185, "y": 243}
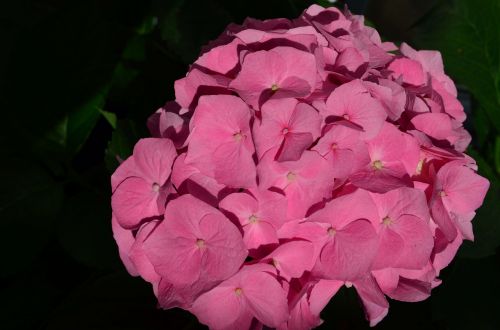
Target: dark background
{"x": 78, "y": 80}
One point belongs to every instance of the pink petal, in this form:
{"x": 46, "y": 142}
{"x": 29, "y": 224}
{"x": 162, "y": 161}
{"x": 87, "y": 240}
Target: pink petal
{"x": 225, "y": 251}
{"x": 451, "y": 104}
{"x": 187, "y": 89}
{"x": 221, "y": 59}
{"x": 464, "y": 190}
{"x": 418, "y": 242}
{"x": 444, "y": 250}
{"x": 390, "y": 94}
{"x": 353, "y": 102}
{"x": 173, "y": 127}
{"x": 190, "y": 243}
{"x": 270, "y": 132}
{"x": 139, "y": 257}
{"x": 301, "y": 316}
{"x": 374, "y": 302}
{"x": 402, "y": 201}
{"x": 350, "y": 59}
{"x": 411, "y": 290}
{"x": 134, "y": 200}
{"x": 188, "y": 179}
{"x": 442, "y": 218}
{"x": 383, "y": 180}
{"x": 220, "y": 307}
{"x": 305, "y": 182}
{"x": 411, "y": 71}
{"x": 242, "y": 205}
{"x": 259, "y": 233}
{"x": 390, "y": 248}
{"x": 266, "y": 298}
{"x": 347, "y": 208}
{"x": 293, "y": 72}
{"x": 234, "y": 165}
{"x": 125, "y": 170}
{"x": 256, "y": 227}
{"x": 154, "y": 159}
{"x": 341, "y": 144}
{"x": 351, "y": 252}
{"x": 294, "y": 145}
{"x": 321, "y": 294}
{"x": 124, "y": 239}
{"x": 292, "y": 259}
{"x": 220, "y": 144}
{"x": 436, "y": 125}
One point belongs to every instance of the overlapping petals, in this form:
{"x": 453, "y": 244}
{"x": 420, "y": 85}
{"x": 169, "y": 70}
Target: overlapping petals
{"x": 298, "y": 157}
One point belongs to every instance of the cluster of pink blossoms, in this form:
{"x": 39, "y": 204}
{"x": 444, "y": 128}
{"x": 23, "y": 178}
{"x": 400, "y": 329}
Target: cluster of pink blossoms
{"x": 299, "y": 156}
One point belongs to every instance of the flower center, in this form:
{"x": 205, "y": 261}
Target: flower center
{"x": 331, "y": 231}
{"x": 334, "y": 146}
{"x": 253, "y": 219}
{"x": 274, "y": 87}
{"x": 377, "y": 165}
{"x": 275, "y": 263}
{"x": 238, "y": 136}
{"x": 346, "y": 116}
{"x": 285, "y": 130}
{"x": 291, "y": 176}
{"x": 442, "y": 193}
{"x": 155, "y": 187}
{"x": 238, "y": 291}
{"x": 420, "y": 165}
{"x": 200, "y": 243}
{"x": 387, "y": 221}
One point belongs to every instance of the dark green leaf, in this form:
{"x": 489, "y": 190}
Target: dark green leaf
{"x": 30, "y": 201}
{"x": 497, "y": 154}
{"x": 110, "y": 117}
{"x": 81, "y": 122}
{"x": 148, "y": 25}
{"x": 482, "y": 127}
{"x": 468, "y": 35}
{"x": 135, "y": 50}
{"x": 118, "y": 302}
{"x": 26, "y": 302}
{"x": 84, "y": 230}
{"x": 122, "y": 143}
{"x": 186, "y": 26}
{"x": 468, "y": 298}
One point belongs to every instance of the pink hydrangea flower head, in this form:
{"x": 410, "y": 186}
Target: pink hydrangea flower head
{"x": 299, "y": 156}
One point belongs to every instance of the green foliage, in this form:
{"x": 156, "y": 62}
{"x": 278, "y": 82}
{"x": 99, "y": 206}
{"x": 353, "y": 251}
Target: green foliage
{"x": 121, "y": 144}
{"x": 116, "y": 301}
{"x": 82, "y": 217}
{"x": 468, "y": 35}
{"x": 30, "y": 200}
{"x": 81, "y": 122}
{"x": 468, "y": 300}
